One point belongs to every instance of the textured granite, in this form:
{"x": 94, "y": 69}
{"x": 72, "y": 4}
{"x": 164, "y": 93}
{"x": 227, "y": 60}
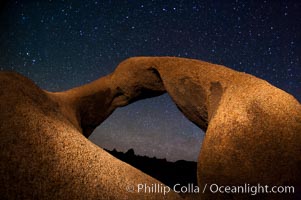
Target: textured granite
{"x": 253, "y": 131}
{"x": 44, "y": 156}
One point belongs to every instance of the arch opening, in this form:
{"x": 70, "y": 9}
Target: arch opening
{"x": 152, "y": 127}
{"x": 158, "y": 133}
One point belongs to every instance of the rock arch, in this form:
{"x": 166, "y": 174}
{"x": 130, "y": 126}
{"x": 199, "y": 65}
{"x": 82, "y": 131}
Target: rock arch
{"x": 249, "y": 123}
{"x": 253, "y": 129}
{"x": 241, "y": 114}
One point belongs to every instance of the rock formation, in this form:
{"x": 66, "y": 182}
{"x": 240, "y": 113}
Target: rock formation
{"x": 43, "y": 155}
{"x": 253, "y": 129}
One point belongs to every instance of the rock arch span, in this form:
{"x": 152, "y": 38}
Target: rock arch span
{"x": 249, "y": 123}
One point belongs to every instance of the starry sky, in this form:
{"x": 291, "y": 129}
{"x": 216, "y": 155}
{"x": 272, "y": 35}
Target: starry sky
{"x": 60, "y": 44}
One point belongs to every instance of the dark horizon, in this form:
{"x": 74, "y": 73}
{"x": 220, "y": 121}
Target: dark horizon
{"x": 170, "y": 173}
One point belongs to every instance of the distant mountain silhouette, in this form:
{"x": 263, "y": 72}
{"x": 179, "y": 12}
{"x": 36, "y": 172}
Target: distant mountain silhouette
{"x": 169, "y": 173}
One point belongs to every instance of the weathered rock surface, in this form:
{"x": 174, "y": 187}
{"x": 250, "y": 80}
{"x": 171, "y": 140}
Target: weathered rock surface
{"x": 253, "y": 129}
{"x": 44, "y": 156}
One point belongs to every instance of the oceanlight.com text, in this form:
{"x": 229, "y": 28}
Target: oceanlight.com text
{"x": 249, "y": 189}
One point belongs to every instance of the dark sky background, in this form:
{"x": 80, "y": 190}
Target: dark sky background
{"x": 62, "y": 44}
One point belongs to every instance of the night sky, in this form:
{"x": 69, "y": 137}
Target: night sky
{"x": 62, "y": 44}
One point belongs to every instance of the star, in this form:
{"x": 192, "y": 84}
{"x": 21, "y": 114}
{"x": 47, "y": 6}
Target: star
{"x": 64, "y": 44}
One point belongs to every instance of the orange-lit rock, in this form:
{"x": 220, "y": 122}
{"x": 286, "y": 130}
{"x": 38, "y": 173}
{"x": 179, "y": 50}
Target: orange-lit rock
{"x": 253, "y": 130}
{"x": 44, "y": 156}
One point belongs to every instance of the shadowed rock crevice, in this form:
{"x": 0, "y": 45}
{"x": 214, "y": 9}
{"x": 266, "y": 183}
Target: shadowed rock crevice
{"x": 148, "y": 92}
{"x": 216, "y": 92}
{"x": 87, "y": 112}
